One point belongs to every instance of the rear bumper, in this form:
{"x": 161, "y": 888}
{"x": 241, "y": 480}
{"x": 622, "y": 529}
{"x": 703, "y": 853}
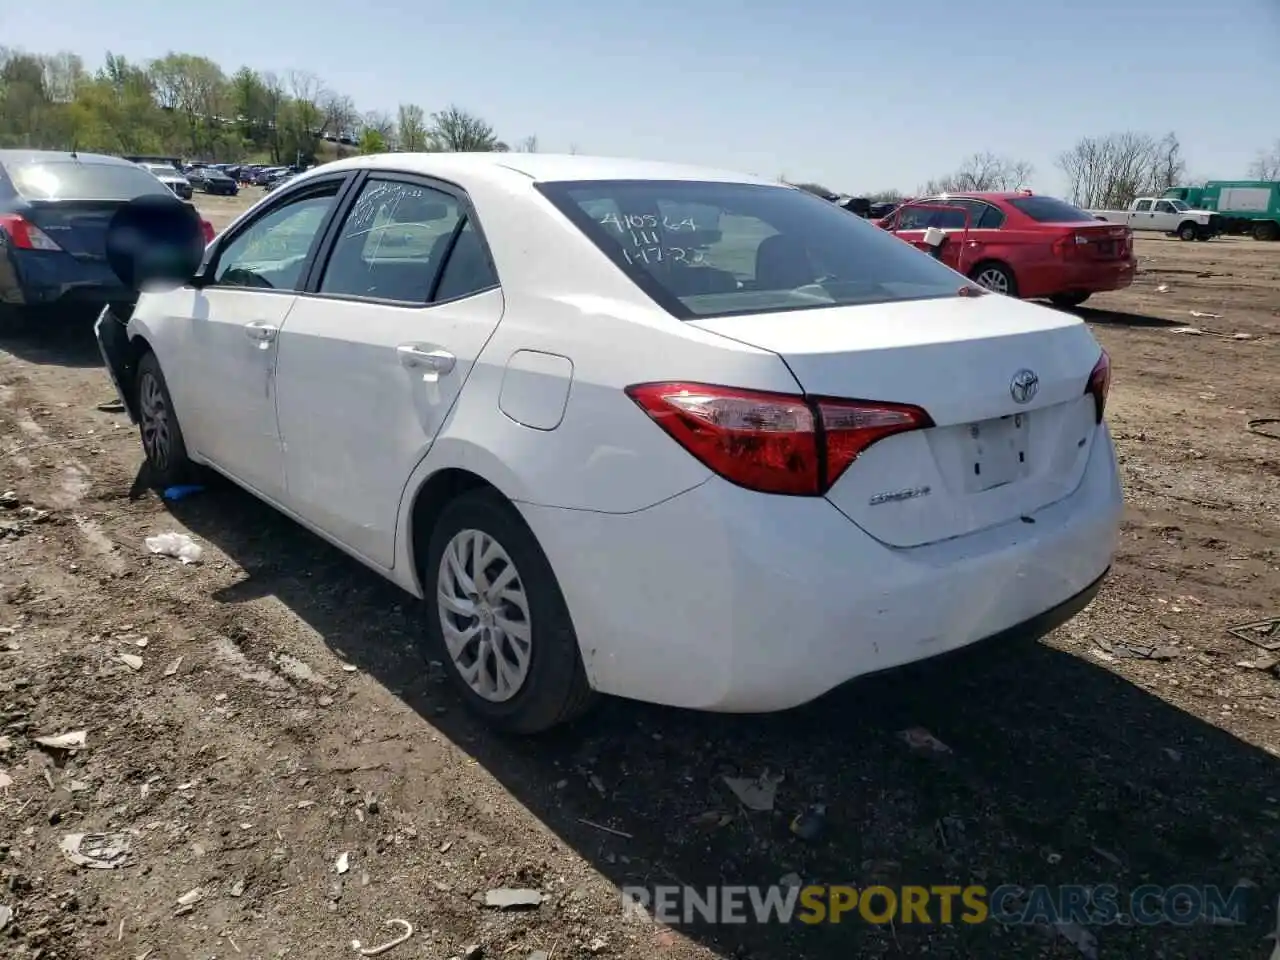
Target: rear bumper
{"x": 723, "y": 599}
{"x": 1094, "y": 277}
{"x": 45, "y": 277}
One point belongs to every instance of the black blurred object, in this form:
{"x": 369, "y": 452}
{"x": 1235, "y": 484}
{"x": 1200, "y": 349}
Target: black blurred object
{"x": 859, "y": 205}
{"x": 155, "y": 241}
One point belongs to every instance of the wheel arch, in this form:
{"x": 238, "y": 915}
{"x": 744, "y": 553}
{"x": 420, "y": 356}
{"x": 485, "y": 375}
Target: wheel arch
{"x": 138, "y": 347}
{"x": 1004, "y": 265}
{"x": 451, "y": 468}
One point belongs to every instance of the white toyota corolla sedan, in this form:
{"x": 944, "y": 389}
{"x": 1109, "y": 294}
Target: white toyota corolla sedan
{"x": 667, "y": 433}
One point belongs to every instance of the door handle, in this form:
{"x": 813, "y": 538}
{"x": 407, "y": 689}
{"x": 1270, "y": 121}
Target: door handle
{"x": 261, "y": 332}
{"x": 431, "y": 360}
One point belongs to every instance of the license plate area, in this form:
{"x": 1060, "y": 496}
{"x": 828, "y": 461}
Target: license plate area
{"x": 997, "y": 452}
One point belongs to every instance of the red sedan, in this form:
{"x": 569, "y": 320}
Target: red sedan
{"x": 1021, "y": 244}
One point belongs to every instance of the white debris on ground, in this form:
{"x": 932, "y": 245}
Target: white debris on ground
{"x": 178, "y": 545}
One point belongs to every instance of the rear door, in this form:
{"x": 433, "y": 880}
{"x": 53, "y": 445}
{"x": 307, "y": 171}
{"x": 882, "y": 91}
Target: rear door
{"x": 1166, "y": 216}
{"x": 374, "y": 355}
{"x": 1143, "y": 215}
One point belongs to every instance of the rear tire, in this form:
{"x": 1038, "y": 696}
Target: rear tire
{"x": 1069, "y": 300}
{"x": 498, "y": 621}
{"x": 162, "y": 442}
{"x": 995, "y": 277}
{"x": 1266, "y": 231}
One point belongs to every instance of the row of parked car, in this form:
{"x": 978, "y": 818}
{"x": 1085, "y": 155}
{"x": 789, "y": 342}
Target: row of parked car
{"x": 219, "y": 179}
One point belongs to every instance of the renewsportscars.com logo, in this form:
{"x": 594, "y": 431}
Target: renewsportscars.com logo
{"x": 1087, "y": 905}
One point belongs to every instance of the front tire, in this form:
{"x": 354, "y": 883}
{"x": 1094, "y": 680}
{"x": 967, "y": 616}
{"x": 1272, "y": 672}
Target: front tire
{"x": 162, "y": 442}
{"x": 1188, "y": 231}
{"x": 995, "y": 277}
{"x": 500, "y": 622}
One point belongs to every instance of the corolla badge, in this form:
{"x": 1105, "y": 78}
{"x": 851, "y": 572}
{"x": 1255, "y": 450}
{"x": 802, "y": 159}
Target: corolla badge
{"x": 1024, "y": 385}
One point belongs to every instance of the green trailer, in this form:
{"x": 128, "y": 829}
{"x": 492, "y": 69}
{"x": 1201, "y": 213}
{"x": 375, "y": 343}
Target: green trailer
{"x": 1191, "y": 196}
{"x": 1250, "y": 207}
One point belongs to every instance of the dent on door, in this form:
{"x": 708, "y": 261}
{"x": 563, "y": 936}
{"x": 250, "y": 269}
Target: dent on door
{"x": 535, "y": 388}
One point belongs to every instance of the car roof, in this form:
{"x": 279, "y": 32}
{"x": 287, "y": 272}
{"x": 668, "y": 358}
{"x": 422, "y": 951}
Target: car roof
{"x": 539, "y": 167}
{"x": 974, "y": 195}
{"x": 45, "y": 156}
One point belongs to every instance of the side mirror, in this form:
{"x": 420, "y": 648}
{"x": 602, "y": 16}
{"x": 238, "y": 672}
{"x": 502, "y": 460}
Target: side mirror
{"x": 155, "y": 243}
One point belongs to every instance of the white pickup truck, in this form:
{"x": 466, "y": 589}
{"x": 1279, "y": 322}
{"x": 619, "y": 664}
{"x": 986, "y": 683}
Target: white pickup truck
{"x": 1165, "y": 216}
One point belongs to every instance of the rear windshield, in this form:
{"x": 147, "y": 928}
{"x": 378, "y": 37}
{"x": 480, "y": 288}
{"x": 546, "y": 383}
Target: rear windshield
{"x": 706, "y": 249}
{"x": 1049, "y": 210}
{"x": 72, "y": 180}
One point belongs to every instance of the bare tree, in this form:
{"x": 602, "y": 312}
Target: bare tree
{"x": 62, "y": 75}
{"x": 273, "y": 107}
{"x": 338, "y": 114}
{"x": 305, "y": 90}
{"x": 412, "y": 128}
{"x": 528, "y": 145}
{"x": 981, "y": 172}
{"x": 457, "y": 131}
{"x": 1111, "y": 170}
{"x": 1267, "y": 166}
{"x": 1170, "y": 168}
{"x": 382, "y": 123}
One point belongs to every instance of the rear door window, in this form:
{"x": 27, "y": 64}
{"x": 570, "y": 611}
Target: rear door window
{"x": 393, "y": 242}
{"x": 989, "y": 217}
{"x": 84, "y": 180}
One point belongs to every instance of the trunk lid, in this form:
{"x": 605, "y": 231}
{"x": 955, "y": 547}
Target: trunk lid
{"x": 77, "y": 226}
{"x": 989, "y": 459}
{"x": 1101, "y": 241}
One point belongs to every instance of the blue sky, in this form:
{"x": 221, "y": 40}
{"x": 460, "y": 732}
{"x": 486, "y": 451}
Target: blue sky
{"x": 857, "y": 96}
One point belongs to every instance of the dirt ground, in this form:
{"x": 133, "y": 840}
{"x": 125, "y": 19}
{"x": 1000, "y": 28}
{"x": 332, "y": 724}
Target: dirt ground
{"x": 282, "y": 714}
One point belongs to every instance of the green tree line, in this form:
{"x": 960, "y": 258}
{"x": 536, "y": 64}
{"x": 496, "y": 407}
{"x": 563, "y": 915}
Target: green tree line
{"x": 186, "y": 105}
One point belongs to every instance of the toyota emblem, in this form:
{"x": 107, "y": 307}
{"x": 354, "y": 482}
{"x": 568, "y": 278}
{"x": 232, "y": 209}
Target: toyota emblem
{"x": 1024, "y": 385}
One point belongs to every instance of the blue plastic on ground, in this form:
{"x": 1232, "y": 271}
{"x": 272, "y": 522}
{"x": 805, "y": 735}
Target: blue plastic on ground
{"x": 183, "y": 490}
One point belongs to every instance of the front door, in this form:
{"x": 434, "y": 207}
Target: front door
{"x": 914, "y": 220}
{"x": 231, "y": 334}
{"x": 372, "y": 360}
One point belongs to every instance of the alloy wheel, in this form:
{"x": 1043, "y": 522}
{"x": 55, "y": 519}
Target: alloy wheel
{"x": 154, "y": 420}
{"x": 484, "y": 615}
{"x": 994, "y": 280}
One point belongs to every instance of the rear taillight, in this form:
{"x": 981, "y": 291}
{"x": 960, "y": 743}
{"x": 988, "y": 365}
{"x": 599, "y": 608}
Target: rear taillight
{"x": 772, "y": 442}
{"x": 25, "y": 235}
{"x": 1066, "y": 247}
{"x": 1100, "y": 385}
{"x": 207, "y": 229}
